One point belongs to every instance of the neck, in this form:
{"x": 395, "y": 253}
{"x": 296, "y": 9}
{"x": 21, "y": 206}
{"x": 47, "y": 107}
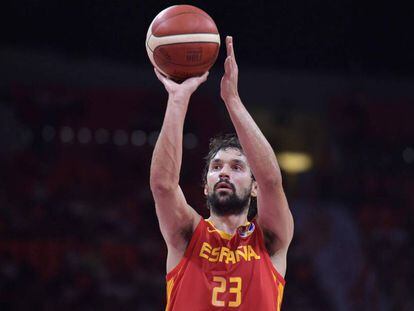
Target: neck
{"x": 228, "y": 223}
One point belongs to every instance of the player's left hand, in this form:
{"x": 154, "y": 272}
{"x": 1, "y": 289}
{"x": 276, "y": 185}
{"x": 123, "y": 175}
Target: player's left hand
{"x": 229, "y": 82}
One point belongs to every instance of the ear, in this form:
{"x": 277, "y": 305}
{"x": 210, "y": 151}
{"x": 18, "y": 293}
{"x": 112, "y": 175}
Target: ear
{"x": 205, "y": 190}
{"x": 253, "y": 193}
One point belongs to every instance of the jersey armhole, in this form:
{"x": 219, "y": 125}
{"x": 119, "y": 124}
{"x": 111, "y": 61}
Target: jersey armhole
{"x": 279, "y": 277}
{"x": 190, "y": 246}
{"x": 276, "y": 273}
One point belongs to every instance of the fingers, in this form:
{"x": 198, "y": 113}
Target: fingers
{"x": 229, "y": 46}
{"x": 230, "y": 66}
{"x": 227, "y": 65}
{"x": 231, "y": 60}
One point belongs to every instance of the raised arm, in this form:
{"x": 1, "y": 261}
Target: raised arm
{"x": 176, "y": 218}
{"x": 274, "y": 215}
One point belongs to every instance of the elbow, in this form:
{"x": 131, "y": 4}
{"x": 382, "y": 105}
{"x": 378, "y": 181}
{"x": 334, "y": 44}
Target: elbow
{"x": 270, "y": 178}
{"x": 271, "y": 182}
{"x": 161, "y": 185}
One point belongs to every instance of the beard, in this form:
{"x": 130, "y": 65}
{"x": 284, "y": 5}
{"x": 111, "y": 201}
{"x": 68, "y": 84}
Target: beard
{"x": 225, "y": 203}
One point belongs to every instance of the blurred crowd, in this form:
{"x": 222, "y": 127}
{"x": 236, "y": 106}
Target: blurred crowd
{"x": 78, "y": 229}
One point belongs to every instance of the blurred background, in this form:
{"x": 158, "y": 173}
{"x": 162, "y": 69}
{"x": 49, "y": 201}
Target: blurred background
{"x": 331, "y": 85}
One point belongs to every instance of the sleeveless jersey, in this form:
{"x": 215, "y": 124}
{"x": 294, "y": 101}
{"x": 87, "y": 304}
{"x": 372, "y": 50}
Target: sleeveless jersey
{"x": 224, "y": 272}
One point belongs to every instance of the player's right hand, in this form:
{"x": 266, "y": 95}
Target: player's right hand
{"x": 186, "y": 88}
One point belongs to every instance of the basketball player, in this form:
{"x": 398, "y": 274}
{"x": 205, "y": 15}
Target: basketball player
{"x": 224, "y": 262}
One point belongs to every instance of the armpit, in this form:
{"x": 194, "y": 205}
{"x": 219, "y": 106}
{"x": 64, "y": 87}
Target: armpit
{"x": 186, "y": 233}
{"x": 270, "y": 241}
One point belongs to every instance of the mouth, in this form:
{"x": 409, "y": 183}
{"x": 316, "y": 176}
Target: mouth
{"x": 223, "y": 186}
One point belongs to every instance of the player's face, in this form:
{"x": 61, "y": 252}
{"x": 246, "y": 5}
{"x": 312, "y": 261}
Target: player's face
{"x": 229, "y": 183}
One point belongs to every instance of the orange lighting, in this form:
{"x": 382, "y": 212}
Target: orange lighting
{"x": 294, "y": 162}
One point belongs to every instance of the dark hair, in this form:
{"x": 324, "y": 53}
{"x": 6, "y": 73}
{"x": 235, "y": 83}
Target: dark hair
{"x": 223, "y": 142}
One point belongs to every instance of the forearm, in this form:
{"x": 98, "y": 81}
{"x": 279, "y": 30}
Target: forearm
{"x": 259, "y": 152}
{"x": 167, "y": 155}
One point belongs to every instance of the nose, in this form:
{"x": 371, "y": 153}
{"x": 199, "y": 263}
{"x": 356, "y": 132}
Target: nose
{"x": 224, "y": 173}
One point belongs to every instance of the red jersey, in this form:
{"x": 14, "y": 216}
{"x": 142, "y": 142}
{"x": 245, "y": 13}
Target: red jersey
{"x": 224, "y": 272}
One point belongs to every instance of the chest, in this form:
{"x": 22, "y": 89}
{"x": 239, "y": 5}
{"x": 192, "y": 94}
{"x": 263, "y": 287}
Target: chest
{"x": 212, "y": 252}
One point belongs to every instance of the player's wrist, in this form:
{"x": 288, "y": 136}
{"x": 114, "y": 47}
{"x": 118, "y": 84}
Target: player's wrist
{"x": 180, "y": 97}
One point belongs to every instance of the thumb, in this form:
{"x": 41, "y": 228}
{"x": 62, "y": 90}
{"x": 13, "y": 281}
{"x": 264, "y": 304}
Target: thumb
{"x": 197, "y": 80}
{"x": 203, "y": 78}
{"x": 159, "y": 75}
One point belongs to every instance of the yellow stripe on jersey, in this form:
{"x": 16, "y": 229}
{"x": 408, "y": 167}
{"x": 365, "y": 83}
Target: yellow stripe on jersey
{"x": 224, "y": 235}
{"x": 280, "y": 296}
{"x": 170, "y": 285}
{"x": 280, "y": 289}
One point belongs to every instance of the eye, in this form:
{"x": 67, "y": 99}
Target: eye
{"x": 215, "y": 167}
{"x": 237, "y": 167}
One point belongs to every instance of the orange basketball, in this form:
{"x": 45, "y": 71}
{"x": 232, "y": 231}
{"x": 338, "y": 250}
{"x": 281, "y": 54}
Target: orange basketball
{"x": 182, "y": 42}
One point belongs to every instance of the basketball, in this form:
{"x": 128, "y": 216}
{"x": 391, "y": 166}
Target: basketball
{"x": 182, "y": 41}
